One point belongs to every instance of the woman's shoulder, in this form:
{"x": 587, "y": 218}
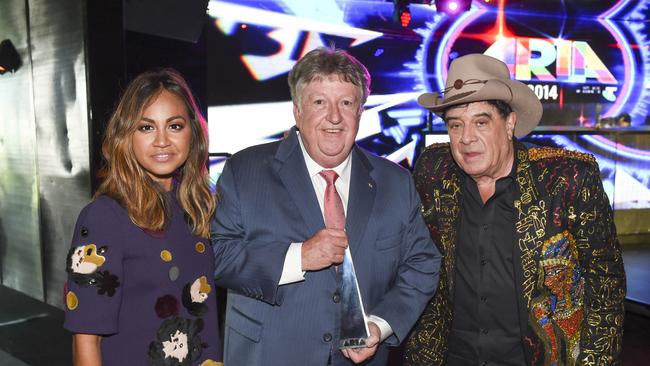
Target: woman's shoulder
{"x": 103, "y": 208}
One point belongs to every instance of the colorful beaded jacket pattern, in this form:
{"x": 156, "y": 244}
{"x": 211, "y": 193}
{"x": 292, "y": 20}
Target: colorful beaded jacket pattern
{"x": 569, "y": 269}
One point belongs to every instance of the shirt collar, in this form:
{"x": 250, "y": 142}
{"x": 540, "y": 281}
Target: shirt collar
{"x": 343, "y": 169}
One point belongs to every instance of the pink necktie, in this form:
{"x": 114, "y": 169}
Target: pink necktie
{"x": 354, "y": 330}
{"x": 333, "y": 206}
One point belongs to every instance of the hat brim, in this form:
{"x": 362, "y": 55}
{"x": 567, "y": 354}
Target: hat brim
{"x": 520, "y": 97}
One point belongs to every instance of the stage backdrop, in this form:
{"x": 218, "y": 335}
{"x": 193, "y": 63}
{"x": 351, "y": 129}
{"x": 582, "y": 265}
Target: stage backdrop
{"x": 587, "y": 61}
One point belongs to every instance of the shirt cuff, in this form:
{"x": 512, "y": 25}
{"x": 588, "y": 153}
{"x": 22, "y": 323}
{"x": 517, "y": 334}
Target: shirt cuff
{"x": 384, "y": 327}
{"x": 292, "y": 270}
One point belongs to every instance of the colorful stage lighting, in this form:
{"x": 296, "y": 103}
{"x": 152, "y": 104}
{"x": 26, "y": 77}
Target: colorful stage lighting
{"x": 402, "y": 13}
{"x": 452, "y": 7}
{"x": 405, "y": 18}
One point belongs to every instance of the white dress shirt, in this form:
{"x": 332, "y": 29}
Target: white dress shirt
{"x": 292, "y": 270}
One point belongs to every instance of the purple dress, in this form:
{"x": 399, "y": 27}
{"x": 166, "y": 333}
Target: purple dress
{"x": 150, "y": 295}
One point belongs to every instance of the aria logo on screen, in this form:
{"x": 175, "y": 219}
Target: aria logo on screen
{"x": 581, "y": 67}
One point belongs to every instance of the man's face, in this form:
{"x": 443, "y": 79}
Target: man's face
{"x": 328, "y": 118}
{"x": 481, "y": 140}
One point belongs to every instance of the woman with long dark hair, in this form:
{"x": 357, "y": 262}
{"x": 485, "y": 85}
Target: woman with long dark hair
{"x": 140, "y": 288}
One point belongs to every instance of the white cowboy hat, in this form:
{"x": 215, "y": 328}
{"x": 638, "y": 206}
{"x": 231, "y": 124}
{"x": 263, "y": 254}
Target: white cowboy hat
{"x": 477, "y": 77}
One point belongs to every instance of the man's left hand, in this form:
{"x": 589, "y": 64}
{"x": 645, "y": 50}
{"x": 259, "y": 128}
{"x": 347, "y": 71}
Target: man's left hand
{"x": 358, "y": 355}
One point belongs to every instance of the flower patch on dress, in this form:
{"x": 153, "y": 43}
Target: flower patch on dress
{"x": 177, "y": 342}
{"x": 83, "y": 263}
{"x": 166, "y": 306}
{"x": 195, "y": 294}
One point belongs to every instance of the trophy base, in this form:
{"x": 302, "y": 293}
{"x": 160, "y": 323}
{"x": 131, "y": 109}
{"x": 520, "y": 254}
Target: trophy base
{"x": 352, "y": 343}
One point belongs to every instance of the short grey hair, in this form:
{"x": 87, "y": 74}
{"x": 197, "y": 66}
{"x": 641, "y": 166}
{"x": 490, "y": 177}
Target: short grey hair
{"x": 325, "y": 61}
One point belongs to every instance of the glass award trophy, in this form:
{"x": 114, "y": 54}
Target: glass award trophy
{"x": 354, "y": 328}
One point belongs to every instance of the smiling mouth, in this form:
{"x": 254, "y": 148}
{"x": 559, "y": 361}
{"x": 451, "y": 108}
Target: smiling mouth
{"x": 162, "y": 157}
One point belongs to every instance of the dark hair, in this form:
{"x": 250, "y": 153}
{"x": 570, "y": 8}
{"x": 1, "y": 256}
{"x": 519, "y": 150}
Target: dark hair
{"x": 326, "y": 61}
{"x": 502, "y": 107}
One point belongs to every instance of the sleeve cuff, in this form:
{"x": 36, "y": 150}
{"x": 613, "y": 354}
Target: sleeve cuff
{"x": 384, "y": 327}
{"x": 292, "y": 269}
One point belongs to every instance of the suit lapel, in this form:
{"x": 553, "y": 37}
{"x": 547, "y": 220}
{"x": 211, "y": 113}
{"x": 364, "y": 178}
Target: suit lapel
{"x": 448, "y": 200}
{"x": 361, "y": 199}
{"x": 529, "y": 230}
{"x": 292, "y": 171}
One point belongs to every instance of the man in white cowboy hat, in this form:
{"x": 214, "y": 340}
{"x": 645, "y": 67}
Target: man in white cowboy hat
{"x": 532, "y": 271}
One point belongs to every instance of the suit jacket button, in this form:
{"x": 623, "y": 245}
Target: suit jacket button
{"x": 327, "y": 337}
{"x": 336, "y": 297}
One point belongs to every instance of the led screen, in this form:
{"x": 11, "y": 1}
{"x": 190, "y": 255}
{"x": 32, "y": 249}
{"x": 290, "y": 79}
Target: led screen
{"x": 583, "y": 60}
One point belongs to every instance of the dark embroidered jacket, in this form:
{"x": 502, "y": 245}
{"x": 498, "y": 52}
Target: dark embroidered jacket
{"x": 568, "y": 267}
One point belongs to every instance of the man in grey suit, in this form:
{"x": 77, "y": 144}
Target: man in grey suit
{"x": 278, "y": 259}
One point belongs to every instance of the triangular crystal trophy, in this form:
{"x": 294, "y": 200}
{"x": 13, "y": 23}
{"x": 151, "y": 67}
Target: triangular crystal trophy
{"x": 354, "y": 327}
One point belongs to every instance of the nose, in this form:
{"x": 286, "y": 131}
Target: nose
{"x": 334, "y": 114}
{"x": 161, "y": 139}
{"x": 468, "y": 136}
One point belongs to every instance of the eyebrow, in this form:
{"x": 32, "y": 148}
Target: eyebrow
{"x": 168, "y": 119}
{"x": 482, "y": 114}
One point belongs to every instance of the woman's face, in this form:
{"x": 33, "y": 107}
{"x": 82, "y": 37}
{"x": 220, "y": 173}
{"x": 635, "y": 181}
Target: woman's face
{"x": 161, "y": 141}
